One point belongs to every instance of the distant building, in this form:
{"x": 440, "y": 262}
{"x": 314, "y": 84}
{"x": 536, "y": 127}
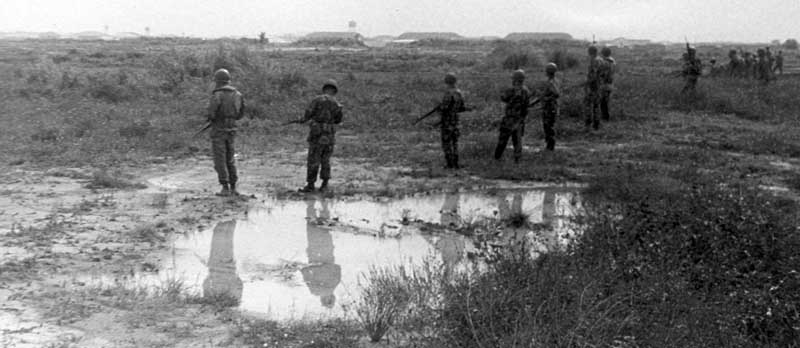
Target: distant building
{"x": 537, "y": 36}
{"x": 416, "y": 36}
{"x": 334, "y": 37}
{"x": 623, "y": 42}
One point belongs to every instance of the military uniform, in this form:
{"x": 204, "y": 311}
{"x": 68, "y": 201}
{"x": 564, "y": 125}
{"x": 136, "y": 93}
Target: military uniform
{"x": 226, "y": 106}
{"x": 452, "y": 103}
{"x": 778, "y": 63}
{"x": 692, "y": 69}
{"x": 512, "y": 126}
{"x": 324, "y": 113}
{"x": 550, "y": 111}
{"x": 592, "y": 89}
{"x": 607, "y": 72}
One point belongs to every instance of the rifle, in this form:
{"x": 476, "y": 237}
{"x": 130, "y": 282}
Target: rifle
{"x": 206, "y": 127}
{"x": 426, "y": 115}
{"x": 534, "y": 102}
{"x": 291, "y": 122}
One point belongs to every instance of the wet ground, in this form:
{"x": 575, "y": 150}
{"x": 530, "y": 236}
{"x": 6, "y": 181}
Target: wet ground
{"x": 291, "y": 259}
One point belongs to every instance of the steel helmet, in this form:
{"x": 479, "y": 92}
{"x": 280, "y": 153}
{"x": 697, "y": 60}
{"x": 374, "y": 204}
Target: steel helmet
{"x": 592, "y": 50}
{"x": 450, "y": 78}
{"x": 222, "y": 75}
{"x": 518, "y": 76}
{"x": 691, "y": 49}
{"x": 332, "y": 84}
{"x": 606, "y": 51}
{"x": 551, "y": 68}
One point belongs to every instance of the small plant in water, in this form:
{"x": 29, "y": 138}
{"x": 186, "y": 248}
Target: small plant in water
{"x": 383, "y": 300}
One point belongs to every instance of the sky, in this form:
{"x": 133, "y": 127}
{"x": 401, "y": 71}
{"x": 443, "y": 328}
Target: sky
{"x": 659, "y": 20}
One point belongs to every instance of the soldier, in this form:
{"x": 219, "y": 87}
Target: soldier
{"x": 778, "y": 63}
{"x": 324, "y": 113}
{"x": 592, "y": 88}
{"x": 692, "y": 68}
{"x": 749, "y": 64}
{"x": 517, "y": 99}
{"x": 763, "y": 71}
{"x": 452, "y": 103}
{"x": 607, "y": 72}
{"x": 225, "y": 107}
{"x": 736, "y": 64}
{"x": 550, "y": 109}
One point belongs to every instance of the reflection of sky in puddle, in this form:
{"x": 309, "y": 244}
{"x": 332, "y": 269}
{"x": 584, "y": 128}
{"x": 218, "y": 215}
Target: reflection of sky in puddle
{"x": 281, "y": 263}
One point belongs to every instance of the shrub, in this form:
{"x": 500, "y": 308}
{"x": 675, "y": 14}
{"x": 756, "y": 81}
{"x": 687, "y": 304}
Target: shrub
{"x": 564, "y": 59}
{"x": 290, "y": 82}
{"x": 383, "y": 300}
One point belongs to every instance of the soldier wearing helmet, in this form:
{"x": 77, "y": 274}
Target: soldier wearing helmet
{"x": 607, "y": 72}
{"x": 549, "y": 96}
{"x": 692, "y": 69}
{"x": 323, "y": 114}
{"x": 592, "y": 88}
{"x": 517, "y": 99}
{"x": 225, "y": 107}
{"x": 451, "y": 105}
{"x": 764, "y": 66}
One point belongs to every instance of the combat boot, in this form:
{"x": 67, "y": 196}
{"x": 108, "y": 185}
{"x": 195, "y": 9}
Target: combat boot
{"x": 324, "y": 186}
{"x": 226, "y": 191}
{"x": 308, "y": 188}
{"x": 233, "y": 191}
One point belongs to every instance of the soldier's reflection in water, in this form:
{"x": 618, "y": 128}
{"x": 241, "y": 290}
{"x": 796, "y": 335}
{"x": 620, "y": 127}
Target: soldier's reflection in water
{"x": 322, "y": 275}
{"x": 222, "y": 279}
{"x": 449, "y": 246}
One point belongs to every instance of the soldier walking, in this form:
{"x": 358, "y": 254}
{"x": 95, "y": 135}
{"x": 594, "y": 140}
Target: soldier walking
{"x": 592, "y": 88}
{"x": 692, "y": 69}
{"x": 778, "y": 63}
{"x": 517, "y": 99}
{"x": 451, "y": 105}
{"x": 607, "y": 72}
{"x": 323, "y": 114}
{"x": 550, "y": 109}
{"x": 225, "y": 107}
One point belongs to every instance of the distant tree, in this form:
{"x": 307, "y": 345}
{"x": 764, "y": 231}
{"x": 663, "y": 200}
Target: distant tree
{"x": 790, "y": 44}
{"x": 262, "y": 38}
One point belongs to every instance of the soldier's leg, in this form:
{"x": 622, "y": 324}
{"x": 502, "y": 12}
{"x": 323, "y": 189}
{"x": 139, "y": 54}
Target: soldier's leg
{"x": 502, "y": 142}
{"x": 516, "y": 140}
{"x": 548, "y": 124}
{"x": 606, "y": 97}
{"x": 446, "y": 148}
{"x": 596, "y": 112}
{"x": 454, "y": 150}
{"x": 325, "y": 161}
{"x": 313, "y": 163}
{"x": 230, "y": 161}
{"x": 218, "y": 152}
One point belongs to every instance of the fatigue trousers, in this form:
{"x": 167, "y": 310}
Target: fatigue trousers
{"x": 516, "y": 140}
{"x": 450, "y": 146}
{"x": 319, "y": 155}
{"x": 223, "y": 152}
{"x": 605, "y": 98}
{"x": 691, "y": 84}
{"x": 592, "y": 101}
{"x": 548, "y": 126}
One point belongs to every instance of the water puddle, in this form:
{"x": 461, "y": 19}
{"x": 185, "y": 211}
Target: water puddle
{"x": 304, "y": 259}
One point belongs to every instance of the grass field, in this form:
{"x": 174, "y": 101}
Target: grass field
{"x": 692, "y": 200}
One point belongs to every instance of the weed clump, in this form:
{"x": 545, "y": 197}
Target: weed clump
{"x": 103, "y": 179}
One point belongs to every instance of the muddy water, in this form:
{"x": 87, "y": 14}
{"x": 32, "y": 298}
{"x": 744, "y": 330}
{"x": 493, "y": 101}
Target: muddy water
{"x": 305, "y": 259}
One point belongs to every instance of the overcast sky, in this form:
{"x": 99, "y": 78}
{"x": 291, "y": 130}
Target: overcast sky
{"x": 700, "y": 20}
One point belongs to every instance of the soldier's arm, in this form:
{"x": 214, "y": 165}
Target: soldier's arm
{"x": 337, "y": 114}
{"x": 310, "y": 111}
{"x": 241, "y": 107}
{"x": 447, "y": 101}
{"x": 213, "y": 106}
{"x": 505, "y": 97}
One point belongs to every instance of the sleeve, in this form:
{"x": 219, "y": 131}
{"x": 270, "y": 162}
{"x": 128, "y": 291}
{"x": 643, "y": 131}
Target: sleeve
{"x": 506, "y": 95}
{"x": 337, "y": 114}
{"x": 213, "y": 106}
{"x": 241, "y": 106}
{"x": 310, "y": 111}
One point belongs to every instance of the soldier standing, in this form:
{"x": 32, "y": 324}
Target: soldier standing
{"x": 225, "y": 107}
{"x": 324, "y": 113}
{"x": 451, "y": 105}
{"x": 550, "y": 109}
{"x": 607, "y": 72}
{"x": 763, "y": 71}
{"x": 778, "y": 63}
{"x": 592, "y": 88}
{"x": 692, "y": 68}
{"x": 517, "y": 99}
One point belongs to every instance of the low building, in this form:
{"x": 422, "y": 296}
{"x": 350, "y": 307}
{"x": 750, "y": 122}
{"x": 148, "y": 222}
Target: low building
{"x": 417, "y": 36}
{"x": 538, "y": 36}
{"x": 334, "y": 38}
